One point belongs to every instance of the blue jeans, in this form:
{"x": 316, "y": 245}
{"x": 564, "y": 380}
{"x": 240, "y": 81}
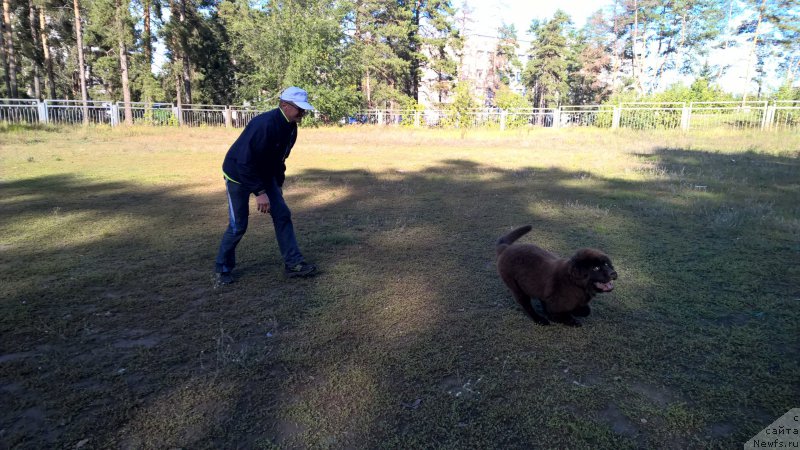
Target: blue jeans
{"x": 238, "y": 212}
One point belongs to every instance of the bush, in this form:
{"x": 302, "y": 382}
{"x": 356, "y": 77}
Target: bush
{"x": 458, "y": 112}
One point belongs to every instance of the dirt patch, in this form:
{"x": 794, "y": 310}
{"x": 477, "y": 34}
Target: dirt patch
{"x": 14, "y": 356}
{"x": 721, "y": 430}
{"x": 661, "y": 396}
{"x": 11, "y": 388}
{"x": 138, "y": 338}
{"x": 146, "y": 342}
{"x": 619, "y": 423}
{"x": 461, "y": 388}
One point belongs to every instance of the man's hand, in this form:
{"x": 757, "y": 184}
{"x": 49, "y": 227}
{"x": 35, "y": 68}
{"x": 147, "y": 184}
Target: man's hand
{"x": 262, "y": 203}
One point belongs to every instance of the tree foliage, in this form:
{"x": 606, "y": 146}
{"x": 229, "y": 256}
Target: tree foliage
{"x": 546, "y": 74}
{"x": 354, "y": 54}
{"x": 506, "y": 62}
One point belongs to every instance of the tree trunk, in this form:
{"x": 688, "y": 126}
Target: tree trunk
{"x": 661, "y": 72}
{"x": 147, "y": 37}
{"x": 635, "y": 37}
{"x": 187, "y": 76}
{"x": 126, "y": 89}
{"x": 180, "y": 47}
{"x": 123, "y": 61}
{"x": 368, "y": 90}
{"x": 48, "y": 60}
{"x": 752, "y": 51}
{"x": 38, "y": 69}
{"x": 413, "y": 36}
{"x": 178, "y": 101}
{"x": 662, "y": 69}
{"x": 11, "y": 58}
{"x": 615, "y": 69}
{"x": 4, "y": 57}
{"x": 81, "y": 65}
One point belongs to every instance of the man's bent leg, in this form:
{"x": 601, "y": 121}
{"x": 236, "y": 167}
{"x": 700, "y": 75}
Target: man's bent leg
{"x": 238, "y": 212}
{"x": 284, "y": 230}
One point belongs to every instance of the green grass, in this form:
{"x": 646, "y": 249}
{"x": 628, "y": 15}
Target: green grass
{"x": 113, "y": 337}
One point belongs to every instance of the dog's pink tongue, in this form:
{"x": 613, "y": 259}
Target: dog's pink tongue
{"x": 605, "y": 287}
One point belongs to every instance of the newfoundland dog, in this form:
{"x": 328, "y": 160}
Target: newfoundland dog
{"x": 563, "y": 286}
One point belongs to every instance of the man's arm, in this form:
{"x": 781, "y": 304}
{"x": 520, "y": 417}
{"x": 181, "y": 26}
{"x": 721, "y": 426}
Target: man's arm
{"x": 251, "y": 157}
{"x": 280, "y": 176}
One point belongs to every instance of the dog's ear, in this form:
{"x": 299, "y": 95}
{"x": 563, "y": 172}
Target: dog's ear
{"x": 577, "y": 271}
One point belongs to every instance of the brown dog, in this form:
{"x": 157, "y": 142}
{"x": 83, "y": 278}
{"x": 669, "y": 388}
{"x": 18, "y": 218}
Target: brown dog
{"x": 564, "y": 286}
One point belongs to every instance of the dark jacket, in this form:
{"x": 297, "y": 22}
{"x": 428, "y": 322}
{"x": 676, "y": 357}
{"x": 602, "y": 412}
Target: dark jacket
{"x": 259, "y": 153}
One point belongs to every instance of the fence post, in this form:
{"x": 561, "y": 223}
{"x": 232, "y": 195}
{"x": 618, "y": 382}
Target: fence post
{"x": 416, "y": 119}
{"x": 114, "y": 114}
{"x": 177, "y": 113}
{"x": 772, "y": 110}
{"x": 557, "y": 117}
{"x": 686, "y": 114}
{"x": 766, "y": 120}
{"x": 503, "y": 116}
{"x": 41, "y": 106}
{"x": 227, "y": 113}
{"x": 615, "y": 117}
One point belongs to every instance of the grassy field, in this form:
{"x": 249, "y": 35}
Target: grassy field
{"x": 114, "y": 337}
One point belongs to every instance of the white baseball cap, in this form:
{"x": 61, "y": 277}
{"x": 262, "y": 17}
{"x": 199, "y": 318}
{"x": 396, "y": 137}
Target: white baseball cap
{"x": 296, "y": 96}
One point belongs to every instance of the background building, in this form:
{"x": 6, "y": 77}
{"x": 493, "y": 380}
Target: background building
{"x": 478, "y": 65}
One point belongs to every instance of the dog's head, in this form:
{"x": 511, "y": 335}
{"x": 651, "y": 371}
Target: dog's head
{"x": 593, "y": 269}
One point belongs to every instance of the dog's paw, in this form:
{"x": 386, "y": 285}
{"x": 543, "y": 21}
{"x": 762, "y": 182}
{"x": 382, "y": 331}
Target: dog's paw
{"x": 541, "y": 321}
{"x": 583, "y": 311}
{"x": 567, "y": 319}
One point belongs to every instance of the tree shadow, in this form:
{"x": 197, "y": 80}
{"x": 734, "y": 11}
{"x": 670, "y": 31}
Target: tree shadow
{"x": 407, "y": 337}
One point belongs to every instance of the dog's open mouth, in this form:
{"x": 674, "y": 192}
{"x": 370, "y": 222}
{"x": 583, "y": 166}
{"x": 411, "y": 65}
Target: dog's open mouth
{"x": 604, "y": 287}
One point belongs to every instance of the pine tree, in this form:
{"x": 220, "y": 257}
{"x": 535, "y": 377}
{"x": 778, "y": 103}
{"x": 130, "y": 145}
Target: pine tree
{"x": 10, "y": 54}
{"x": 34, "y": 49}
{"x": 46, "y": 53}
{"x": 380, "y": 36}
{"x": 441, "y": 43}
{"x": 545, "y": 75}
{"x": 81, "y": 64}
{"x": 293, "y": 43}
{"x": 505, "y": 62}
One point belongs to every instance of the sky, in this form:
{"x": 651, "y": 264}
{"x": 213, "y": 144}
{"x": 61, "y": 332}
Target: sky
{"x": 488, "y": 15}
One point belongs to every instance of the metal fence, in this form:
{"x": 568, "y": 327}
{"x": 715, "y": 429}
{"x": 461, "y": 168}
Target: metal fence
{"x": 754, "y": 115}
{"x": 75, "y": 112}
{"x": 785, "y": 116}
{"x": 759, "y": 115}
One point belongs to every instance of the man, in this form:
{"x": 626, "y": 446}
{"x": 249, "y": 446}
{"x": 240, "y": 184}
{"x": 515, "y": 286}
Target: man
{"x": 255, "y": 164}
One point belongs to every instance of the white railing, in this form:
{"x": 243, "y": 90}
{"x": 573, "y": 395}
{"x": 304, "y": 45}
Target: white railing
{"x": 754, "y": 115}
{"x": 644, "y": 116}
{"x": 74, "y": 111}
{"x": 17, "y": 110}
{"x": 143, "y": 113}
{"x": 785, "y": 116}
{"x": 601, "y": 116}
{"x": 209, "y": 115}
{"x": 731, "y": 115}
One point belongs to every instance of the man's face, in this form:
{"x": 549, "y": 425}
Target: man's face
{"x": 293, "y": 112}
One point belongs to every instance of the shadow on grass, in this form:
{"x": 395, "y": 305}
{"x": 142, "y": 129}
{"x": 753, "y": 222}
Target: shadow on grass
{"x": 112, "y": 332}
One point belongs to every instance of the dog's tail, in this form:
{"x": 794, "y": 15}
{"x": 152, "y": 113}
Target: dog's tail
{"x": 509, "y": 239}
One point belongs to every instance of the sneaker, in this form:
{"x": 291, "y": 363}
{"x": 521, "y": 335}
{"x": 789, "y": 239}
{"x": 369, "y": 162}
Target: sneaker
{"x": 222, "y": 278}
{"x": 302, "y": 269}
